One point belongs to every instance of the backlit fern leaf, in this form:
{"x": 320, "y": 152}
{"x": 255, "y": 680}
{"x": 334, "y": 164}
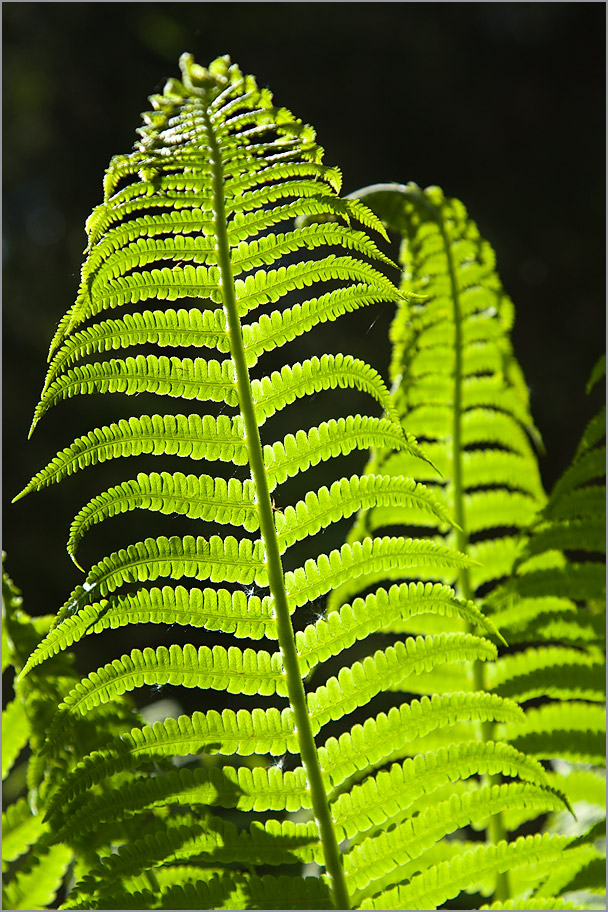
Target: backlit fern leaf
{"x": 459, "y": 389}
{"x": 203, "y": 211}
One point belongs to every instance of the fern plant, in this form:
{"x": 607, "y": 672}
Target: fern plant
{"x": 342, "y": 761}
{"x": 457, "y": 384}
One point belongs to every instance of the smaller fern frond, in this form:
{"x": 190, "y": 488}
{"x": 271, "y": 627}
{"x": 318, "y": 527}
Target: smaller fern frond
{"x": 214, "y": 609}
{"x": 232, "y": 669}
{"x": 551, "y": 671}
{"x": 183, "y": 378}
{"x": 197, "y": 497}
{"x": 389, "y": 736}
{"x": 446, "y": 880}
{"x": 391, "y": 669}
{"x": 195, "y": 436}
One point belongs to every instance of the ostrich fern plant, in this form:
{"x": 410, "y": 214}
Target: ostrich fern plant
{"x": 345, "y": 754}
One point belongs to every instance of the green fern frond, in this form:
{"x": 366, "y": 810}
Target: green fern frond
{"x": 225, "y": 890}
{"x": 386, "y": 798}
{"x": 194, "y": 436}
{"x": 213, "y": 609}
{"x": 457, "y": 383}
{"x": 197, "y": 497}
{"x": 549, "y": 671}
{"x": 183, "y": 378}
{"x": 448, "y": 879}
{"x": 234, "y": 670}
{"x": 572, "y": 730}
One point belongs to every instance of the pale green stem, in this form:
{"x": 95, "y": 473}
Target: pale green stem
{"x": 295, "y": 685}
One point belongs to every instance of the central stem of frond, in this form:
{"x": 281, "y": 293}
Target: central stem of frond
{"x": 495, "y": 831}
{"x": 276, "y": 581}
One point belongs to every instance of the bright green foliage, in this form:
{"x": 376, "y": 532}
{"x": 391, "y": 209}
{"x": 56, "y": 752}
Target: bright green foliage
{"x": 459, "y": 388}
{"x": 342, "y": 691}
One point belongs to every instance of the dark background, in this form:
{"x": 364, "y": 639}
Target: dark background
{"x": 502, "y": 104}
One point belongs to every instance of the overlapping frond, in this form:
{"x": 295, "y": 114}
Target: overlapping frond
{"x": 459, "y": 389}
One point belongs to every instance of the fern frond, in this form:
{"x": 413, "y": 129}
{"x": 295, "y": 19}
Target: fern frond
{"x": 197, "y": 497}
{"x": 549, "y": 671}
{"x": 448, "y": 879}
{"x": 183, "y": 378}
{"x": 572, "y": 730}
{"x": 386, "y": 798}
{"x": 267, "y": 287}
{"x": 234, "y": 670}
{"x": 375, "y": 857}
{"x": 213, "y": 609}
{"x": 391, "y": 668}
{"x": 198, "y": 221}
{"x": 195, "y": 436}
{"x": 386, "y": 737}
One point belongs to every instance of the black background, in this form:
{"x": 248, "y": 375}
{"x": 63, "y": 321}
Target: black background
{"x": 502, "y": 104}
